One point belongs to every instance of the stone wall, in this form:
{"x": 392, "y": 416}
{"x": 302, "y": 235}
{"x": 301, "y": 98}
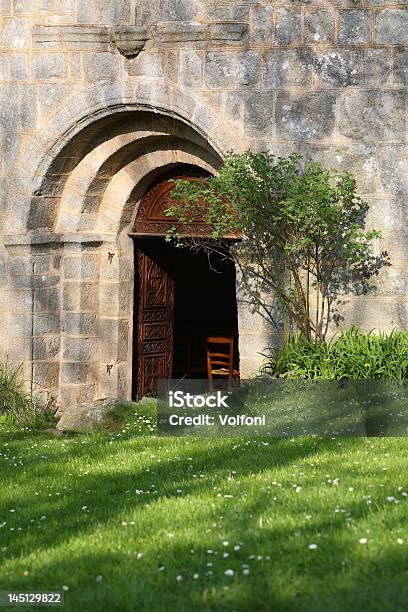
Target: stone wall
{"x": 98, "y": 95}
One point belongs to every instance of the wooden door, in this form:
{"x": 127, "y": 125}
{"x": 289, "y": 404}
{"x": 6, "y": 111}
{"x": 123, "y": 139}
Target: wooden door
{"x": 155, "y": 320}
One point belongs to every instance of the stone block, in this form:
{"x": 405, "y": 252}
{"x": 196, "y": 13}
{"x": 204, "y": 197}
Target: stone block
{"x": 108, "y": 383}
{"x": 3, "y": 267}
{"x": 39, "y": 349}
{"x": 31, "y": 6}
{"x": 174, "y": 32}
{"x": 401, "y": 67}
{"x": 114, "y": 299}
{"x": 40, "y": 264}
{"x": 392, "y": 26}
{"x": 85, "y": 416}
{"x": 360, "y": 159}
{"x": 376, "y": 64}
{"x": 388, "y": 214}
{"x": 6, "y": 7}
{"x": 4, "y": 67}
{"x": 80, "y": 324}
{"x": 53, "y": 346}
{"x": 79, "y": 349}
{"x": 52, "y": 95}
{"x": 123, "y": 382}
{"x": 45, "y": 324}
{"x": 54, "y": 299}
{"x": 340, "y": 67}
{"x": 114, "y": 343}
{"x": 109, "y": 333}
{"x": 262, "y": 25}
{"x": 18, "y": 265}
{"x": 147, "y": 12}
{"x": 64, "y": 6}
{"x": 288, "y": 27}
{"x": 80, "y": 296}
{"x": 178, "y": 10}
{"x": 4, "y": 300}
{"x": 20, "y": 325}
{"x": 226, "y": 32}
{"x": 71, "y": 296}
{"x": 259, "y": 115}
{"x": 123, "y": 340}
{"x": 74, "y": 395}
{"x": 355, "y": 26}
{"x": 232, "y": 70}
{"x": 150, "y": 65}
{"x": 391, "y": 281}
{"x": 191, "y": 69}
{"x": 19, "y": 350}
{"x": 47, "y": 37}
{"x": 226, "y": 12}
{"x": 172, "y": 67}
{"x": 15, "y": 34}
{"x": 371, "y": 313}
{"x": 86, "y": 38}
{"x": 372, "y": 116}
{"x": 104, "y": 11}
{"x": 292, "y": 67}
{"x": 46, "y": 374}
{"x": 21, "y": 301}
{"x": 40, "y": 300}
{"x": 319, "y": 26}
{"x": 42, "y": 213}
{"x": 76, "y": 373}
{"x": 85, "y": 267}
{"x": 19, "y": 66}
{"x": 50, "y": 66}
{"x": 47, "y": 348}
{"x": 393, "y": 163}
{"x": 100, "y": 66}
{"x": 309, "y": 116}
{"x": 396, "y": 243}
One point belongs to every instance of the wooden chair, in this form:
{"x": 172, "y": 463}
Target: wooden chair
{"x": 220, "y": 363}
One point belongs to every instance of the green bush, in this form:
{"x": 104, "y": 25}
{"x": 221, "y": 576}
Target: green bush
{"x": 16, "y": 406}
{"x": 353, "y": 355}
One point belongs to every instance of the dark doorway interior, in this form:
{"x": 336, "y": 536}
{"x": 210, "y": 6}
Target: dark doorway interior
{"x": 204, "y": 294}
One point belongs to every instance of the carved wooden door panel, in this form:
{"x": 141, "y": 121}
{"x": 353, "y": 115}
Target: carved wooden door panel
{"x": 155, "y": 322}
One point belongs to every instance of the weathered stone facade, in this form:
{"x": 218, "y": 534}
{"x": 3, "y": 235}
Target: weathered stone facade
{"x": 99, "y": 96}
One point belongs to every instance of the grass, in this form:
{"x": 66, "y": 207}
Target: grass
{"x": 127, "y": 520}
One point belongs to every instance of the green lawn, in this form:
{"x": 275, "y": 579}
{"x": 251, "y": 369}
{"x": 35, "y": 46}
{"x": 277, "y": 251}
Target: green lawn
{"x": 130, "y": 521}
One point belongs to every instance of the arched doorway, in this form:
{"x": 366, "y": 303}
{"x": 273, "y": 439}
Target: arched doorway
{"x": 181, "y": 296}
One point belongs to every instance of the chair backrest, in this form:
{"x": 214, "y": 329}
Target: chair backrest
{"x": 217, "y": 357}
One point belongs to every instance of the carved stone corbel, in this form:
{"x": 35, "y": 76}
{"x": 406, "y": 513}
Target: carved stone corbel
{"x": 130, "y": 40}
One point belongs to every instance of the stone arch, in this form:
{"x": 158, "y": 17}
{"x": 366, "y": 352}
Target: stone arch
{"x": 50, "y": 155}
{"x": 84, "y": 191}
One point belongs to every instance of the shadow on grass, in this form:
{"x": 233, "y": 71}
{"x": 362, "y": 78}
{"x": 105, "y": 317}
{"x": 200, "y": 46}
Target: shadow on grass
{"x": 293, "y": 578}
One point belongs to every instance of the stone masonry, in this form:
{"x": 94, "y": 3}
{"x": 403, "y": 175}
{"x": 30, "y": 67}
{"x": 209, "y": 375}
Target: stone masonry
{"x": 97, "y": 97}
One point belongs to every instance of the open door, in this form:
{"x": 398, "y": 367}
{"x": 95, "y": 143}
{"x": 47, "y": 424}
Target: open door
{"x": 206, "y": 301}
{"x": 155, "y": 321}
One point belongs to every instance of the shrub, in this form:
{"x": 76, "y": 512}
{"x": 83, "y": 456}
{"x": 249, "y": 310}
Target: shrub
{"x": 353, "y": 355}
{"x": 303, "y": 230}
